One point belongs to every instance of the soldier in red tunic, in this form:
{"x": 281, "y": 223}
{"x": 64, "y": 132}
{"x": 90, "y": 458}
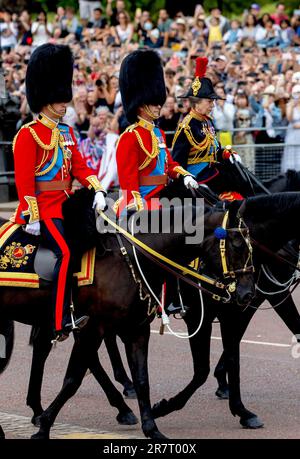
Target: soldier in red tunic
{"x": 46, "y": 160}
{"x": 144, "y": 162}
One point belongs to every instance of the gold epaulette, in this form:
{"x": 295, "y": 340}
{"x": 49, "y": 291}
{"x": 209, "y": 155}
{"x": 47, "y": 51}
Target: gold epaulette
{"x": 16, "y": 136}
{"x": 128, "y": 129}
{"x": 184, "y": 123}
{"x": 55, "y": 142}
{"x": 150, "y": 155}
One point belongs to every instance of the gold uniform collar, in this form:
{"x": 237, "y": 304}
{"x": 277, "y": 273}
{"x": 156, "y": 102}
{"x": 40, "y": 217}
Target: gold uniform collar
{"x": 146, "y": 124}
{"x": 199, "y": 117}
{"x": 46, "y": 121}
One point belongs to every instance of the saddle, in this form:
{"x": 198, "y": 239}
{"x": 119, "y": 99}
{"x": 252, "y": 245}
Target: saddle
{"x": 24, "y": 262}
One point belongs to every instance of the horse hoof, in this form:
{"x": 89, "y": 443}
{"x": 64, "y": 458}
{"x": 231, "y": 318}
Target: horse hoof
{"x": 251, "y": 423}
{"x": 36, "y": 421}
{"x": 157, "y": 435}
{"x": 130, "y": 393}
{"x": 160, "y": 409}
{"x": 222, "y": 394}
{"x": 39, "y": 436}
{"x": 127, "y": 419}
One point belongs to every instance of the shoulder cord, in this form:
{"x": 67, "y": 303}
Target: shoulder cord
{"x": 199, "y": 146}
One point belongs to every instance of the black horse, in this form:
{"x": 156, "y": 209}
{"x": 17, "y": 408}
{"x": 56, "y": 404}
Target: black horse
{"x": 114, "y": 303}
{"x": 273, "y": 283}
{"x": 272, "y": 220}
{"x": 283, "y": 303}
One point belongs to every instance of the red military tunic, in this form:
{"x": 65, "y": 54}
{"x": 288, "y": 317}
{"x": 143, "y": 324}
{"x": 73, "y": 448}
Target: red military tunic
{"x": 142, "y": 153}
{"x": 45, "y": 152}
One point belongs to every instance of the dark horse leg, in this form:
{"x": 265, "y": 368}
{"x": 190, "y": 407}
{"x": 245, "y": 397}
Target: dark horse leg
{"x": 220, "y": 372}
{"x": 84, "y": 355}
{"x": 229, "y": 318}
{"x": 125, "y": 415}
{"x": 287, "y": 311}
{"x": 200, "y": 348}
{"x": 137, "y": 354}
{"x": 41, "y": 341}
{"x": 120, "y": 374}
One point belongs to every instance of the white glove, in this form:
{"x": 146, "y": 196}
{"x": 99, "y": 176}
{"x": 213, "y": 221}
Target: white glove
{"x": 236, "y": 158}
{"x": 99, "y": 201}
{"x": 33, "y": 228}
{"x": 190, "y": 182}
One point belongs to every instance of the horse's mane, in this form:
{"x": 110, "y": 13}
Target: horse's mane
{"x": 258, "y": 206}
{"x": 80, "y": 221}
{"x": 292, "y": 181}
{"x": 268, "y": 183}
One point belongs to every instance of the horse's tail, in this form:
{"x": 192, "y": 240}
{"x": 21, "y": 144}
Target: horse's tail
{"x": 6, "y": 342}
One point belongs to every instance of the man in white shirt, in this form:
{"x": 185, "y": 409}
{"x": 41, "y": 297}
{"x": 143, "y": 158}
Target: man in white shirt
{"x": 8, "y": 33}
{"x": 86, "y": 8}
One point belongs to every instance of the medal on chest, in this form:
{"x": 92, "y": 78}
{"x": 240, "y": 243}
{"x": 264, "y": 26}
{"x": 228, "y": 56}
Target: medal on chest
{"x": 67, "y": 139}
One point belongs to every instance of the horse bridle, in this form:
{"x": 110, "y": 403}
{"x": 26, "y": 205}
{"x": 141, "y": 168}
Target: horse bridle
{"x": 248, "y": 268}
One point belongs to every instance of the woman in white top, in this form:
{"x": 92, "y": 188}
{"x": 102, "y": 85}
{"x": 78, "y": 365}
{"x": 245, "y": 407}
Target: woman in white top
{"x": 8, "y": 32}
{"x": 123, "y": 32}
{"x": 251, "y": 28}
{"x": 41, "y": 30}
{"x": 291, "y": 154}
{"x": 223, "y": 115}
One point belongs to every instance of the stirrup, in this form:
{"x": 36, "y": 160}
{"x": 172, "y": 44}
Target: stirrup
{"x": 176, "y": 309}
{"x": 76, "y": 324}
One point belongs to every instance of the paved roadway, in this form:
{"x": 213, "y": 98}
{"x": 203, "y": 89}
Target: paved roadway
{"x": 270, "y": 387}
{"x": 269, "y": 375}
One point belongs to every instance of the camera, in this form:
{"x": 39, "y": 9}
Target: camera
{"x": 99, "y": 83}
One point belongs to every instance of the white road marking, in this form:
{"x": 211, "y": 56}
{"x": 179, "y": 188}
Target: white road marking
{"x": 246, "y": 341}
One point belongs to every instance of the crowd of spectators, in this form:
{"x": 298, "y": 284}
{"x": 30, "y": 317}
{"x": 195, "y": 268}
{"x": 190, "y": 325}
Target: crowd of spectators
{"x": 254, "y": 63}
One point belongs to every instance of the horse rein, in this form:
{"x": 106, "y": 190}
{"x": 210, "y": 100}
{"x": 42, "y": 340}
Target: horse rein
{"x": 262, "y": 247}
{"x": 156, "y": 257}
{"x": 274, "y": 255}
{"x": 170, "y": 270}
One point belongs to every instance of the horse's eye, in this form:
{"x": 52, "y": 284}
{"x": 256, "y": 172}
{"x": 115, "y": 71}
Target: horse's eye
{"x": 237, "y": 243}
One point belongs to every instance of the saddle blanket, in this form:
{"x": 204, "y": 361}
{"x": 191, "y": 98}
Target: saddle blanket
{"x": 18, "y": 250}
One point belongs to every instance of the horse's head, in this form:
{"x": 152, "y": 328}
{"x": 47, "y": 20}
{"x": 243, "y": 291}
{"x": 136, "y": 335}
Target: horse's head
{"x": 228, "y": 256}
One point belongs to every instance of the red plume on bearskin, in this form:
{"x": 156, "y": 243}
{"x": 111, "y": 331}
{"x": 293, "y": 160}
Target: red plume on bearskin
{"x": 201, "y": 66}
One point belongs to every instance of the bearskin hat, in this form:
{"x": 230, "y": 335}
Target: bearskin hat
{"x": 141, "y": 82}
{"x": 202, "y": 87}
{"x": 49, "y": 76}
